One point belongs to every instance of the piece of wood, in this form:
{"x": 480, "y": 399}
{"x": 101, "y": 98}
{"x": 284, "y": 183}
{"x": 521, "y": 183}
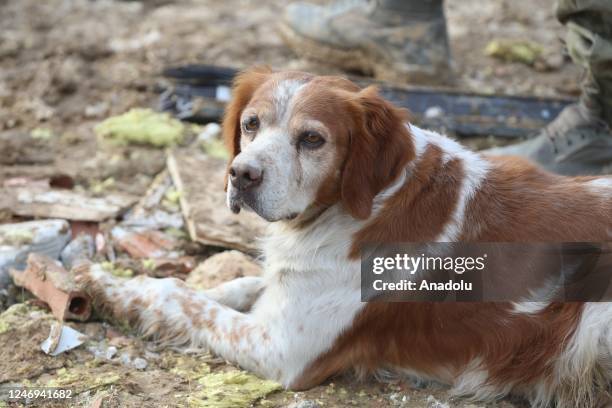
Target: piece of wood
{"x": 66, "y": 204}
{"x": 199, "y": 181}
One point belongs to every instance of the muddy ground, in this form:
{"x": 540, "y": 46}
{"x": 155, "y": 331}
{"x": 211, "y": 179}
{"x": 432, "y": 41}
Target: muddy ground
{"x": 65, "y": 65}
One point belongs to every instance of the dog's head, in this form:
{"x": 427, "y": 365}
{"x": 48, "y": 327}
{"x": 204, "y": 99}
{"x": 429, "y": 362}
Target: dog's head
{"x": 299, "y": 142}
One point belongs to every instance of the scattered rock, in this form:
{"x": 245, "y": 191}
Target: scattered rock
{"x": 304, "y": 404}
{"x": 222, "y": 267}
{"x": 399, "y": 399}
{"x": 101, "y": 351}
{"x": 432, "y": 402}
{"x": 139, "y": 363}
{"x": 96, "y": 110}
{"x": 79, "y": 250}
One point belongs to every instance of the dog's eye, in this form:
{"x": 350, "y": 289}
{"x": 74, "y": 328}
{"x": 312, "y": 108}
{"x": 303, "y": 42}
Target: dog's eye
{"x": 311, "y": 139}
{"x": 251, "y": 124}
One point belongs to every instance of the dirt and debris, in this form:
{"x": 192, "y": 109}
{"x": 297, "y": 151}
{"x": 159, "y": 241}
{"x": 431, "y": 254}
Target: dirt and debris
{"x": 61, "y": 338}
{"x": 80, "y": 141}
{"x": 19, "y": 240}
{"x": 203, "y": 204}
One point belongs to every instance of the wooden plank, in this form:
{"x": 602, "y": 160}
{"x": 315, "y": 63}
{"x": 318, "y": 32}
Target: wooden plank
{"x": 66, "y": 204}
{"x": 199, "y": 180}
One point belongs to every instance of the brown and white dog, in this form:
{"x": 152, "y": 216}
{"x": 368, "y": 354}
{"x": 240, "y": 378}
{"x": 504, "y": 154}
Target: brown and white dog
{"x": 332, "y": 166}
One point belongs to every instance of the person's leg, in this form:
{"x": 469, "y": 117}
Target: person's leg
{"x": 579, "y": 140}
{"x": 589, "y": 43}
{"x": 398, "y": 40}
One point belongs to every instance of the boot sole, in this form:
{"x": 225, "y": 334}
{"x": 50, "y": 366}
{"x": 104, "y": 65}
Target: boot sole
{"x": 346, "y": 59}
{"x": 357, "y": 60}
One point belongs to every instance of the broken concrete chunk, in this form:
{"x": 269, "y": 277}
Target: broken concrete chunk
{"x": 69, "y": 205}
{"x": 432, "y": 402}
{"x": 304, "y": 404}
{"x": 155, "y": 219}
{"x": 51, "y": 283}
{"x": 222, "y": 267}
{"x": 142, "y": 126}
{"x": 199, "y": 180}
{"x": 145, "y": 244}
{"x": 79, "y": 250}
{"x": 47, "y": 237}
{"x": 62, "y": 338}
{"x": 138, "y": 363}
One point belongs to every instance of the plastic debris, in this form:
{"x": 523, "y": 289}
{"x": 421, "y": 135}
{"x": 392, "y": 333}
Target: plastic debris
{"x": 17, "y": 241}
{"x": 62, "y": 338}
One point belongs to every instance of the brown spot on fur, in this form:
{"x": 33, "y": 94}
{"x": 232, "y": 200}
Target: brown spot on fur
{"x": 432, "y": 338}
{"x": 519, "y": 202}
{"x": 379, "y": 148}
{"x": 420, "y": 209}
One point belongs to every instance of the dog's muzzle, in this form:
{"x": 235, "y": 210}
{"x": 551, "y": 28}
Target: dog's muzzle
{"x": 245, "y": 178}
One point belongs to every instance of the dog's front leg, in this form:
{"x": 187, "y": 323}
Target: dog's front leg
{"x": 239, "y": 294}
{"x": 171, "y": 312}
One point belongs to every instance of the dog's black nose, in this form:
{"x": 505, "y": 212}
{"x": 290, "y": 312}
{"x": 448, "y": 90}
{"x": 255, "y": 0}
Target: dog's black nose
{"x": 245, "y": 176}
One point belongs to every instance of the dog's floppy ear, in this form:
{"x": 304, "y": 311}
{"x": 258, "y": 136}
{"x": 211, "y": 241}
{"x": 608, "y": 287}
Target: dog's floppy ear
{"x": 245, "y": 85}
{"x": 380, "y": 147}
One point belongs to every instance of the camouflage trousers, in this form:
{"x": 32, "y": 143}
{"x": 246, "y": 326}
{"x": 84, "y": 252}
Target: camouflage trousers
{"x": 589, "y": 43}
{"x": 588, "y": 40}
